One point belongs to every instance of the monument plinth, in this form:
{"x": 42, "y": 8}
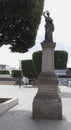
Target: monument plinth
{"x": 47, "y": 103}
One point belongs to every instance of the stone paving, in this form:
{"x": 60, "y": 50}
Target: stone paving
{"x": 20, "y": 116}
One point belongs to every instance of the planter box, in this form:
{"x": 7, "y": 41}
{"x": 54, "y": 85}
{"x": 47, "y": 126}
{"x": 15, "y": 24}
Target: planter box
{"x": 7, "y": 103}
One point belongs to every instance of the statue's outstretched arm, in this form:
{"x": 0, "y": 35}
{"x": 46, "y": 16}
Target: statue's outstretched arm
{"x": 44, "y": 13}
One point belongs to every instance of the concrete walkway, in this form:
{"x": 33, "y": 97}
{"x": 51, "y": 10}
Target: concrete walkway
{"x": 20, "y": 117}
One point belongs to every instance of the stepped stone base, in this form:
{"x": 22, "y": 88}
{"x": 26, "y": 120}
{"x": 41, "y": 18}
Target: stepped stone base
{"x": 47, "y": 107}
{"x": 47, "y": 103}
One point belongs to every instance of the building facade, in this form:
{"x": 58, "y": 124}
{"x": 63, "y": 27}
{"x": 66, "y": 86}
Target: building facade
{"x": 64, "y": 76}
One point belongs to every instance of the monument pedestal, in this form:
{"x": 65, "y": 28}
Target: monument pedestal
{"x": 47, "y": 103}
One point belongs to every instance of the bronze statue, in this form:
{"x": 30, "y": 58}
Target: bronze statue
{"x": 49, "y": 27}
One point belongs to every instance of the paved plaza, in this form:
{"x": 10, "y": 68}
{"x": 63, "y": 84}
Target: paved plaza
{"x": 20, "y": 116}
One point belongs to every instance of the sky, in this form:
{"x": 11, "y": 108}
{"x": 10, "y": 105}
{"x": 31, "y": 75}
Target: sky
{"x": 60, "y": 13}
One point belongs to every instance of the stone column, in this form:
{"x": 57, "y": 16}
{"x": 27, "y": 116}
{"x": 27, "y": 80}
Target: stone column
{"x": 47, "y": 103}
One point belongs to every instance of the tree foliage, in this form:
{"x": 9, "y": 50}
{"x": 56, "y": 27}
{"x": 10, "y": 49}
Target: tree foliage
{"x": 37, "y": 61}
{"x": 28, "y": 69}
{"x": 19, "y": 21}
{"x": 60, "y": 60}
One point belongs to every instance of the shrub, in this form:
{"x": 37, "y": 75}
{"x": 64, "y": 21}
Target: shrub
{"x": 16, "y": 73}
{"x": 4, "y": 72}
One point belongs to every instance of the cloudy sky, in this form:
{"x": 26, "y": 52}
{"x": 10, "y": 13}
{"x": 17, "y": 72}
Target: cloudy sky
{"x": 60, "y": 13}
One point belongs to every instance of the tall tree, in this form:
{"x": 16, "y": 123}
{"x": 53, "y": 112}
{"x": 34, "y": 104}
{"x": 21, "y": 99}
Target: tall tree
{"x": 19, "y": 21}
{"x": 60, "y": 59}
{"x": 28, "y": 69}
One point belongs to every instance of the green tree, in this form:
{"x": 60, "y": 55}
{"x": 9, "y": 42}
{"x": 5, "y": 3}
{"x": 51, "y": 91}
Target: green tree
{"x": 19, "y": 22}
{"x": 28, "y": 69}
{"x": 37, "y": 61}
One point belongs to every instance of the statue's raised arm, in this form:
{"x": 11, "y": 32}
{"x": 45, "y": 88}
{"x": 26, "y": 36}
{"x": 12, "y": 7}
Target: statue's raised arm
{"x": 49, "y": 27}
{"x": 46, "y": 14}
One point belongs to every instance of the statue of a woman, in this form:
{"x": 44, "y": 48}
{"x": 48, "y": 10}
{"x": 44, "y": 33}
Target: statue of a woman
{"x": 49, "y": 27}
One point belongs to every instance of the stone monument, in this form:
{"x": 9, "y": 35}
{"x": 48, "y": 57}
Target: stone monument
{"x": 47, "y": 103}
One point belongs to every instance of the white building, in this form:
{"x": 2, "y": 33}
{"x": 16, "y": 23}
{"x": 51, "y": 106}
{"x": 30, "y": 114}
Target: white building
{"x": 6, "y": 79}
{"x": 4, "y": 67}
